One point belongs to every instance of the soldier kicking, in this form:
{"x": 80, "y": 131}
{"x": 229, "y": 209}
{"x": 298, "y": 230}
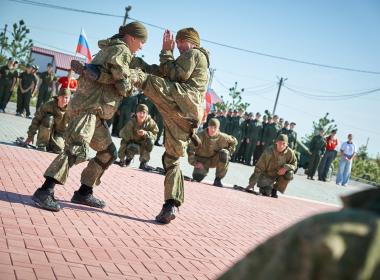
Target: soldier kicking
{"x": 93, "y": 103}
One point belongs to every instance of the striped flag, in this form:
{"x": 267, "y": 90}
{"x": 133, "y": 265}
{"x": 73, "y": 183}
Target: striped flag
{"x": 83, "y": 47}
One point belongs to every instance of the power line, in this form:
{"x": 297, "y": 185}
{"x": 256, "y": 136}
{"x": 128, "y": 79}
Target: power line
{"x": 288, "y": 59}
{"x": 332, "y": 97}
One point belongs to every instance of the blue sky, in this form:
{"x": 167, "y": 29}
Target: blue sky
{"x": 340, "y": 33}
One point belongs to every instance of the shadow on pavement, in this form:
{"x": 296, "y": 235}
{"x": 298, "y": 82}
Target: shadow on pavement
{"x": 27, "y": 200}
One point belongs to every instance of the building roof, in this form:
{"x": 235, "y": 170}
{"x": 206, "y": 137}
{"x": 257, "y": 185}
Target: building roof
{"x": 61, "y": 60}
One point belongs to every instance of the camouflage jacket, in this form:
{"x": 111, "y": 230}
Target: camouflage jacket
{"x": 211, "y": 145}
{"x": 49, "y": 108}
{"x": 101, "y": 96}
{"x": 129, "y": 132}
{"x": 190, "y": 72}
{"x": 270, "y": 163}
{"x": 335, "y": 245}
{"x": 47, "y": 80}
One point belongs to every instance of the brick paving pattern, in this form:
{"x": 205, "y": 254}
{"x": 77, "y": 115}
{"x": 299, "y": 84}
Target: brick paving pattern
{"x": 215, "y": 227}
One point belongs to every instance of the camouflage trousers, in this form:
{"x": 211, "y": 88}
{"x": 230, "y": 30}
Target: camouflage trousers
{"x": 132, "y": 148}
{"x": 220, "y": 161}
{"x": 267, "y": 183}
{"x": 47, "y": 137}
{"x": 84, "y": 131}
{"x": 177, "y": 133}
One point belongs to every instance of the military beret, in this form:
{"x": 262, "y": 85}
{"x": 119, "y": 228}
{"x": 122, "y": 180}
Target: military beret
{"x": 282, "y": 137}
{"x": 293, "y": 123}
{"x": 190, "y": 35}
{"x": 142, "y": 107}
{"x": 134, "y": 29}
{"x": 258, "y": 114}
{"x": 235, "y": 111}
{"x": 214, "y": 122}
{"x": 49, "y": 65}
{"x": 64, "y": 92}
{"x": 29, "y": 65}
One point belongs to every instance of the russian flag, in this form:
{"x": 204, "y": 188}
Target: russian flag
{"x": 83, "y": 46}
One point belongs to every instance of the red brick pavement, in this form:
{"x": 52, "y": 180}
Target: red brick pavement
{"x": 215, "y": 227}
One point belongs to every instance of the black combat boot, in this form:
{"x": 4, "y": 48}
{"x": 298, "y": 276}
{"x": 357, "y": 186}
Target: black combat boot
{"x": 274, "y": 193}
{"x": 44, "y": 196}
{"x": 84, "y": 196}
{"x": 218, "y": 183}
{"x": 167, "y": 213}
{"x": 144, "y": 166}
{"x": 125, "y": 162}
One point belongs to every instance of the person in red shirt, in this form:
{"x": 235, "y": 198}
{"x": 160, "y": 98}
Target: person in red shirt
{"x": 68, "y": 82}
{"x": 329, "y": 156}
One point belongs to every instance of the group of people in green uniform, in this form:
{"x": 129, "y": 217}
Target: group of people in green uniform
{"x": 176, "y": 88}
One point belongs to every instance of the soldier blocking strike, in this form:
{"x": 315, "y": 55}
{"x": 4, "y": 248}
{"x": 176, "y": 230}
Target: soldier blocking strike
{"x": 93, "y": 104}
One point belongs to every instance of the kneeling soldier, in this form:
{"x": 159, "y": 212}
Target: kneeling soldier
{"x": 50, "y": 121}
{"x": 214, "y": 152}
{"x": 274, "y": 169}
{"x": 138, "y": 137}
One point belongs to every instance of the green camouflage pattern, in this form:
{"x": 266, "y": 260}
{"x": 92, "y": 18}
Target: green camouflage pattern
{"x": 180, "y": 98}
{"x": 93, "y": 103}
{"x": 132, "y": 144}
{"x": 336, "y": 245}
{"x": 270, "y": 163}
{"x": 50, "y": 121}
{"x": 209, "y": 153}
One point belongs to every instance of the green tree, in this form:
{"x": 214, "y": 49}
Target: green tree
{"x": 19, "y": 46}
{"x": 235, "y": 102}
{"x": 325, "y": 123}
{"x": 362, "y": 153}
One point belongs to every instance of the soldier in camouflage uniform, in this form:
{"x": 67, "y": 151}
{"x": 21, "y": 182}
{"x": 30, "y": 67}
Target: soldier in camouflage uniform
{"x": 50, "y": 121}
{"x": 94, "y": 102}
{"x": 214, "y": 152}
{"x": 222, "y": 119}
{"x": 137, "y": 137}
{"x": 237, "y": 132}
{"x": 317, "y": 148}
{"x": 229, "y": 127}
{"x": 270, "y": 132}
{"x": 338, "y": 245}
{"x": 8, "y": 78}
{"x": 47, "y": 85}
{"x": 275, "y": 168}
{"x": 252, "y": 137}
{"x": 179, "y": 97}
{"x": 156, "y": 116}
{"x": 125, "y": 112}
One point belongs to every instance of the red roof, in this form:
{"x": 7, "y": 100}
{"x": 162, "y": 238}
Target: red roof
{"x": 61, "y": 60}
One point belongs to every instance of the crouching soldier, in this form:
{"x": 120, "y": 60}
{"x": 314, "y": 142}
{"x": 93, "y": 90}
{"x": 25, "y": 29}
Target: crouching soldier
{"x": 214, "y": 152}
{"x": 138, "y": 137}
{"x": 50, "y": 121}
{"x": 274, "y": 169}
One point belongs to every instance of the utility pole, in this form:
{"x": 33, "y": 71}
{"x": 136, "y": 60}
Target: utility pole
{"x": 366, "y": 144}
{"x": 127, "y": 9}
{"x": 5, "y": 35}
{"x": 282, "y": 80}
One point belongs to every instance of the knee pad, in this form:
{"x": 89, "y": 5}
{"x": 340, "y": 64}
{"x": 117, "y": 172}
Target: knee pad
{"x": 198, "y": 177}
{"x": 48, "y": 121}
{"x": 289, "y": 175}
{"x": 112, "y": 152}
{"x": 224, "y": 155}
